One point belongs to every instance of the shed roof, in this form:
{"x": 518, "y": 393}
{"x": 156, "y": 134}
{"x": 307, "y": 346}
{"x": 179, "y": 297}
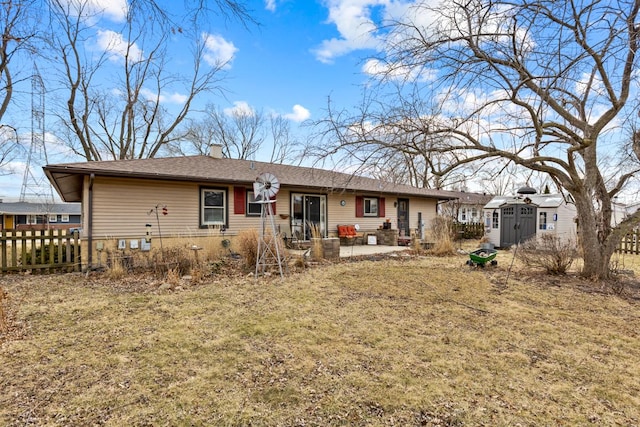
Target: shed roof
{"x": 540, "y": 200}
{"x": 67, "y": 178}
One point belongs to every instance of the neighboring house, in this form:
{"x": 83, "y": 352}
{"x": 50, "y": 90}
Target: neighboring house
{"x": 631, "y": 208}
{"x": 205, "y": 193}
{"x": 39, "y": 216}
{"x": 510, "y": 220}
{"x": 466, "y": 208}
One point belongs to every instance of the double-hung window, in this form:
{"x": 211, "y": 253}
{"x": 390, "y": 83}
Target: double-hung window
{"x": 253, "y": 208}
{"x": 213, "y": 207}
{"x": 370, "y": 206}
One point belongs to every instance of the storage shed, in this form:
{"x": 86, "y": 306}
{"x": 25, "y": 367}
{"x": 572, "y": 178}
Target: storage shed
{"x": 510, "y": 220}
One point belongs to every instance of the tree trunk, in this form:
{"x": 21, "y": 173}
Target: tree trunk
{"x": 597, "y": 249}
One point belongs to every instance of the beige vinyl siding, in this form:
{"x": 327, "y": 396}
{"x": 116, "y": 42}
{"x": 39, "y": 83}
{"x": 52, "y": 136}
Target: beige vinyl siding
{"x": 338, "y": 214}
{"x": 428, "y": 208}
{"x": 345, "y": 215}
{"x": 121, "y": 208}
{"x": 241, "y": 222}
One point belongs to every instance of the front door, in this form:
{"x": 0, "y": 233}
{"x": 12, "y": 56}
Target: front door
{"x": 8, "y": 222}
{"x": 518, "y": 224}
{"x": 403, "y": 217}
{"x": 309, "y": 215}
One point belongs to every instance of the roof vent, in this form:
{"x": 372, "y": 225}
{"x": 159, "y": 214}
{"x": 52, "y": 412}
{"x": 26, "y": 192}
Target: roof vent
{"x": 527, "y": 190}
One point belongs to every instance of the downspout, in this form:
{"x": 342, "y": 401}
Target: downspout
{"x": 90, "y": 224}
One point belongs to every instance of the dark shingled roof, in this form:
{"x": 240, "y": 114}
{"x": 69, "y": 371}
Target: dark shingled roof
{"x": 67, "y": 177}
{"x": 472, "y": 198}
{"x": 30, "y": 208}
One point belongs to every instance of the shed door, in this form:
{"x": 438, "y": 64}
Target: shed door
{"x": 518, "y": 224}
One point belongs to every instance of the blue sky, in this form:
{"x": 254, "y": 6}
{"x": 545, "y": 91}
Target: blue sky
{"x": 299, "y": 54}
{"x": 302, "y": 53}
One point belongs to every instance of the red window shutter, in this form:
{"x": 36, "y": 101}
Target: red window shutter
{"x": 359, "y": 206}
{"x": 273, "y": 207}
{"x": 238, "y": 200}
{"x": 381, "y": 212}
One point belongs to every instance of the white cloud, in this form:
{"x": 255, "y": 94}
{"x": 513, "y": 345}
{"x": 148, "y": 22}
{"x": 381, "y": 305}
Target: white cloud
{"x": 353, "y": 21}
{"x": 299, "y": 114}
{"x": 219, "y": 52}
{"x": 172, "y": 98}
{"x": 270, "y": 5}
{"x": 241, "y": 108}
{"x": 114, "y": 10}
{"x": 117, "y": 46}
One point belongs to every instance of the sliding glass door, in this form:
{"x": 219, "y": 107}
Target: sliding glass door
{"x": 309, "y": 215}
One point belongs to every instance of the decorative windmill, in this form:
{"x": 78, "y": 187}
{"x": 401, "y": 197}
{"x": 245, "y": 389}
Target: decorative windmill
{"x": 265, "y": 189}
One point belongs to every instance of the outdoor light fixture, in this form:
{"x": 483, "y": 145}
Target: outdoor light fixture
{"x": 148, "y": 238}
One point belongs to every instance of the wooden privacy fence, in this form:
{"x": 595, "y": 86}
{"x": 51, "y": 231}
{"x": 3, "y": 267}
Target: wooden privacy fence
{"x": 468, "y": 231}
{"x": 630, "y": 244}
{"x": 42, "y": 251}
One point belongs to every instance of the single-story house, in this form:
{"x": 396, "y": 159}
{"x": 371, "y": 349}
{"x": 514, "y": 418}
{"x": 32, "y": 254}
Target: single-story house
{"x": 39, "y": 215}
{"x": 466, "y": 208}
{"x": 207, "y": 195}
{"x": 511, "y": 220}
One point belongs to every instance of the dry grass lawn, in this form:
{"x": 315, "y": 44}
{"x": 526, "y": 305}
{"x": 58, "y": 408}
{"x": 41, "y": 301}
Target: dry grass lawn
{"x": 398, "y": 341}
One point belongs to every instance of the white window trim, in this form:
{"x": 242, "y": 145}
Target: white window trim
{"x": 53, "y": 218}
{"x": 248, "y": 202}
{"x": 542, "y": 225}
{"x": 204, "y": 223}
{"x": 364, "y": 206}
{"x": 32, "y": 219}
{"x": 64, "y": 218}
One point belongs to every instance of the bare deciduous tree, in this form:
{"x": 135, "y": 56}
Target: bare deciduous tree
{"x": 238, "y": 130}
{"x": 18, "y": 24}
{"x": 242, "y": 132}
{"x": 545, "y": 85}
{"x": 131, "y": 118}
{"x": 284, "y": 144}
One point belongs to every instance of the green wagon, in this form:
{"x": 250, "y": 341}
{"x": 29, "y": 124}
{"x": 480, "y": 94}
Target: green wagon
{"x": 480, "y": 257}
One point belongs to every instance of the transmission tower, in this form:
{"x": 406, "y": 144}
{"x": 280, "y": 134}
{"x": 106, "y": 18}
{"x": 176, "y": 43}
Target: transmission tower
{"x": 33, "y": 186}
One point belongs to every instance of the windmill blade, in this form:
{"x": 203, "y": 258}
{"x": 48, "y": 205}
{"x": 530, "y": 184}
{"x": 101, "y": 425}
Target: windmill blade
{"x": 266, "y": 185}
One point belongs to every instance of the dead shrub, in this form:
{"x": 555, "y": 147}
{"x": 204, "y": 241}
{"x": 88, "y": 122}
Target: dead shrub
{"x": 416, "y": 246}
{"x": 552, "y": 253}
{"x": 442, "y": 231}
{"x": 317, "y": 250}
{"x": 248, "y": 246}
{"x": 115, "y": 269}
{"x": 173, "y": 276}
{"x": 178, "y": 258}
{"x": 197, "y": 275}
